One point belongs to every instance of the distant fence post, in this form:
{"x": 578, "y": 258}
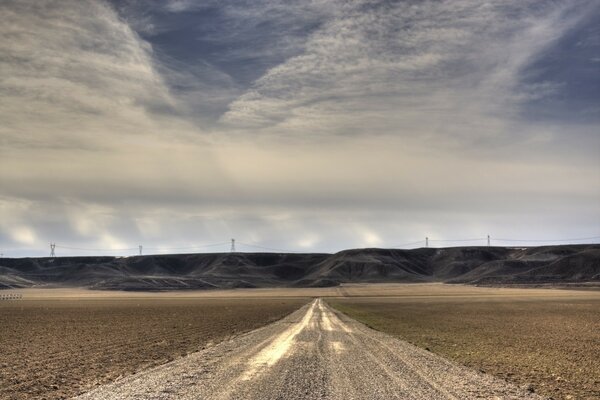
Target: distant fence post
{"x": 11, "y": 296}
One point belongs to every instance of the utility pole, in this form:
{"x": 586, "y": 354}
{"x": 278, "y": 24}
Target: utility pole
{"x": 488, "y": 240}
{"x": 140, "y": 246}
{"x": 233, "y": 245}
{"x": 52, "y": 247}
{"x": 426, "y": 241}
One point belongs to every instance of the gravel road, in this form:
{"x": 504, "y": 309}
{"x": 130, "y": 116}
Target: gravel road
{"x": 314, "y": 353}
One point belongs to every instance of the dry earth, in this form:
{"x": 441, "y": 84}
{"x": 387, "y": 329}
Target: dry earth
{"x": 60, "y": 342}
{"x": 54, "y": 349}
{"x": 396, "y": 290}
{"x": 549, "y": 343}
{"x": 312, "y": 354}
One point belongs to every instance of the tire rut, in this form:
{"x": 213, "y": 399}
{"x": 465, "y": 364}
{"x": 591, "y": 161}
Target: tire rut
{"x": 314, "y": 353}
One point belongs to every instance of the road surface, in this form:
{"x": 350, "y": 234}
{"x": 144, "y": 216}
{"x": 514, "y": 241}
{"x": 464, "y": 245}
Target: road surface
{"x": 314, "y": 353}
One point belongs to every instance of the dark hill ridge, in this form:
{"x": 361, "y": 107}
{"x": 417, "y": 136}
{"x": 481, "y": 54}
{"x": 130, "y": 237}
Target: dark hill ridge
{"x": 474, "y": 265}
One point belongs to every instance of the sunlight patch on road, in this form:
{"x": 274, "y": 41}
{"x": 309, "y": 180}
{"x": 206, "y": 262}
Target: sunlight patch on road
{"x": 335, "y": 322}
{"x": 338, "y": 347}
{"x": 278, "y": 347}
{"x": 325, "y": 318}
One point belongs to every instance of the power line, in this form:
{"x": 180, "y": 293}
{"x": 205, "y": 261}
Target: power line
{"x": 189, "y": 247}
{"x": 268, "y": 248}
{"x": 89, "y": 249}
{"x": 488, "y": 239}
{"x": 547, "y": 240}
{"x": 408, "y": 244}
{"x": 456, "y": 240}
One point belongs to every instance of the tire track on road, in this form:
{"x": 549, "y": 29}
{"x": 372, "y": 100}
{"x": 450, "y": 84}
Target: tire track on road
{"x": 315, "y": 352}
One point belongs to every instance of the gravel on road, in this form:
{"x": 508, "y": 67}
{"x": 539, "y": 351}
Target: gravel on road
{"x": 314, "y": 353}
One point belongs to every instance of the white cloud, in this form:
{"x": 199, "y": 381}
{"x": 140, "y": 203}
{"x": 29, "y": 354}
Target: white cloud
{"x": 23, "y": 235}
{"x": 383, "y": 123}
{"x": 74, "y": 75}
{"x": 447, "y": 70}
{"x": 370, "y": 239}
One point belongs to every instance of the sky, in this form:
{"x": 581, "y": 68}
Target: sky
{"x": 309, "y": 125}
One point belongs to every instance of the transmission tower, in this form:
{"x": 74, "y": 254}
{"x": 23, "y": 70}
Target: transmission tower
{"x": 488, "y": 240}
{"x": 426, "y": 241}
{"x": 233, "y": 245}
{"x": 52, "y": 247}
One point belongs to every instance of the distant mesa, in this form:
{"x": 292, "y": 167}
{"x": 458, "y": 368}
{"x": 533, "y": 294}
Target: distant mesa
{"x": 565, "y": 264}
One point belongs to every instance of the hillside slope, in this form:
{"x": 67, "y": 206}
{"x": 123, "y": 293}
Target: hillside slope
{"x": 474, "y": 265}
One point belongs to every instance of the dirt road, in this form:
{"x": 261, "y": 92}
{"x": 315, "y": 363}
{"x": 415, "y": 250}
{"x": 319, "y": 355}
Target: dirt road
{"x": 314, "y": 353}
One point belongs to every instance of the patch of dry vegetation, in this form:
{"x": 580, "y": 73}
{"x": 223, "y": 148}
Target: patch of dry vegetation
{"x": 55, "y": 349}
{"x": 549, "y": 344}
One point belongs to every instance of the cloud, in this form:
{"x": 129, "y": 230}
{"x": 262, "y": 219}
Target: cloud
{"x": 451, "y": 70}
{"x": 73, "y": 72}
{"x": 179, "y": 5}
{"x": 23, "y": 235}
{"x": 308, "y": 124}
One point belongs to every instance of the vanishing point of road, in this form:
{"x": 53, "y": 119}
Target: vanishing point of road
{"x": 313, "y": 353}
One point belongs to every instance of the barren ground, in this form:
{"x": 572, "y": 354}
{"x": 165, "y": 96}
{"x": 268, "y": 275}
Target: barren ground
{"x": 552, "y": 344}
{"x": 60, "y": 342}
{"x": 314, "y": 353}
{"x": 55, "y": 349}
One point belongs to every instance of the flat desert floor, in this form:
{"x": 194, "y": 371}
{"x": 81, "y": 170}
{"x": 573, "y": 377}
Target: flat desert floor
{"x": 57, "y": 343}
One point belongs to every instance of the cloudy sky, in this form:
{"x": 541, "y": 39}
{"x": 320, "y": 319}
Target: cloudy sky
{"x": 309, "y": 125}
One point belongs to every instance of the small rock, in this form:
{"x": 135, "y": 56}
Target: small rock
{"x": 530, "y": 388}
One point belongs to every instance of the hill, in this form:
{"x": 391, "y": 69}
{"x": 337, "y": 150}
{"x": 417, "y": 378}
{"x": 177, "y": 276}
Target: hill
{"x": 473, "y": 265}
